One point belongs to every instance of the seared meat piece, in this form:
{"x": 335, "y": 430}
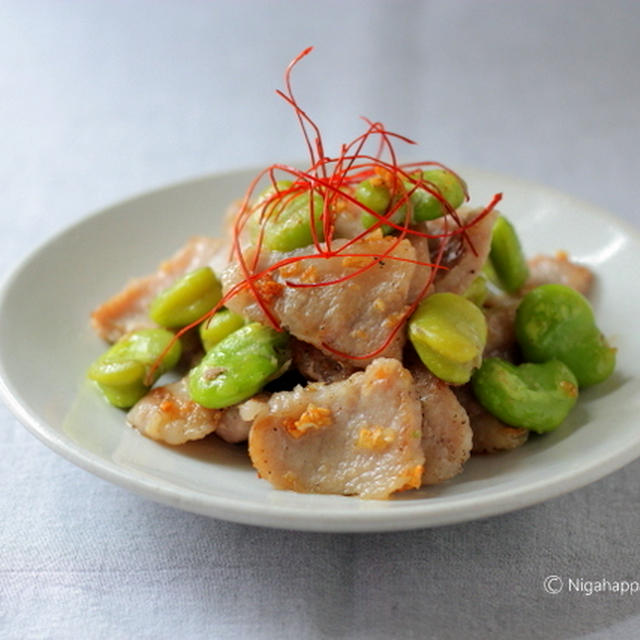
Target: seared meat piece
{"x": 422, "y": 273}
{"x": 464, "y": 265}
{"x": 128, "y": 310}
{"x": 354, "y": 316}
{"x": 558, "y": 269}
{"x": 446, "y": 434}
{"x": 348, "y": 224}
{"x": 489, "y": 434}
{"x": 500, "y": 313}
{"x": 361, "y": 436}
{"x": 235, "y": 421}
{"x": 317, "y": 366}
{"x": 348, "y": 220}
{"x": 168, "y": 414}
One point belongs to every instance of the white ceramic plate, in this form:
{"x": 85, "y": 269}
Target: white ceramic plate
{"x": 46, "y": 346}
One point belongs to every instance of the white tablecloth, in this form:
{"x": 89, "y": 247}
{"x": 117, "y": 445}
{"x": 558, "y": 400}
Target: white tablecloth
{"x": 99, "y": 100}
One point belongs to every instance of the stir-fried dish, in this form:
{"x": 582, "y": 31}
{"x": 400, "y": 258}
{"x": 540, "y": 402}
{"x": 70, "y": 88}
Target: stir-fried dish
{"x": 361, "y": 327}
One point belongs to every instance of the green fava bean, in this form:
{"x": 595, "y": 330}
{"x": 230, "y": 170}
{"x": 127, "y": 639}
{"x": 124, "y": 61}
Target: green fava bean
{"x": 121, "y": 372}
{"x": 477, "y": 291}
{"x": 507, "y": 257}
{"x": 218, "y": 327}
{"x": 265, "y": 203}
{"x": 449, "y": 334}
{"x": 188, "y": 299}
{"x": 555, "y": 321}
{"x": 531, "y": 396}
{"x": 425, "y": 205}
{"x": 239, "y": 366}
{"x": 286, "y": 220}
{"x": 375, "y": 195}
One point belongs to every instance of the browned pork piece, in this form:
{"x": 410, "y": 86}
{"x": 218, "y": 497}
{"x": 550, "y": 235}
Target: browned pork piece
{"x": 361, "y": 436}
{"x": 463, "y": 262}
{"x": 558, "y": 269}
{"x": 354, "y": 316}
{"x": 348, "y": 220}
{"x": 500, "y": 313}
{"x": 128, "y": 310}
{"x": 168, "y": 414}
{"x": 348, "y": 224}
{"x": 489, "y": 434}
{"x": 317, "y": 366}
{"x": 422, "y": 273}
{"x": 446, "y": 433}
{"x": 236, "y": 420}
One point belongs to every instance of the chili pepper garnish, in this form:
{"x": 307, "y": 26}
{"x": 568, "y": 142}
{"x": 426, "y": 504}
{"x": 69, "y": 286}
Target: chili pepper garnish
{"x": 334, "y": 178}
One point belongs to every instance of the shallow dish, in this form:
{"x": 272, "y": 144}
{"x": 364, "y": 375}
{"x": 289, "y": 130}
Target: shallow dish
{"x": 46, "y": 346}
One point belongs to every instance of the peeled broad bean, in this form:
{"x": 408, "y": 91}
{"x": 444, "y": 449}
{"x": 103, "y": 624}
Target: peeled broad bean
{"x": 239, "y": 366}
{"x": 376, "y": 195}
{"x": 507, "y": 257}
{"x": 425, "y": 205}
{"x": 286, "y": 221}
{"x": 218, "y": 327}
{"x": 477, "y": 291}
{"x": 188, "y": 299}
{"x": 555, "y": 321}
{"x": 121, "y": 372}
{"x": 449, "y": 334}
{"x": 531, "y": 396}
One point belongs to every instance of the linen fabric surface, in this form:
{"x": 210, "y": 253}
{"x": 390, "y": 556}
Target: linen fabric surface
{"x": 100, "y": 100}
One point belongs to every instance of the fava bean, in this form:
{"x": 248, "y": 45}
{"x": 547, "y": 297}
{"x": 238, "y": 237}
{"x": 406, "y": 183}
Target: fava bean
{"x": 218, "y": 327}
{"x": 531, "y": 396}
{"x": 507, "y": 257}
{"x": 449, "y": 334}
{"x": 477, "y": 291}
{"x": 376, "y": 195}
{"x": 425, "y": 205}
{"x": 121, "y": 372}
{"x": 286, "y": 221}
{"x": 555, "y": 321}
{"x": 188, "y": 299}
{"x": 239, "y": 366}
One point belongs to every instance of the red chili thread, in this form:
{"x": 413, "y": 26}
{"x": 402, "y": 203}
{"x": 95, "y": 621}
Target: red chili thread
{"x": 333, "y": 179}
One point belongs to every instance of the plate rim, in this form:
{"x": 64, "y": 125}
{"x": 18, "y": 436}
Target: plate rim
{"x": 405, "y": 517}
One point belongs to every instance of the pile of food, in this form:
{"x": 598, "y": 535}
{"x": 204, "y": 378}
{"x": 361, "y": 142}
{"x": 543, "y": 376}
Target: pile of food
{"x": 358, "y": 324}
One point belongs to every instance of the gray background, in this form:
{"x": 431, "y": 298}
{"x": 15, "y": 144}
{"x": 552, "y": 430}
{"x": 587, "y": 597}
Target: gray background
{"x": 100, "y": 100}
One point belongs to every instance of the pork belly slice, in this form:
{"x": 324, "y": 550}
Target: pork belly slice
{"x": 463, "y": 264}
{"x": 317, "y": 366}
{"x": 354, "y": 316}
{"x": 168, "y": 414}
{"x": 360, "y": 436}
{"x": 236, "y": 420}
{"x": 558, "y": 269}
{"x": 500, "y": 314}
{"x": 446, "y": 433}
{"x": 490, "y": 435}
{"x": 348, "y": 224}
{"x": 128, "y": 310}
{"x": 348, "y": 219}
{"x": 422, "y": 273}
